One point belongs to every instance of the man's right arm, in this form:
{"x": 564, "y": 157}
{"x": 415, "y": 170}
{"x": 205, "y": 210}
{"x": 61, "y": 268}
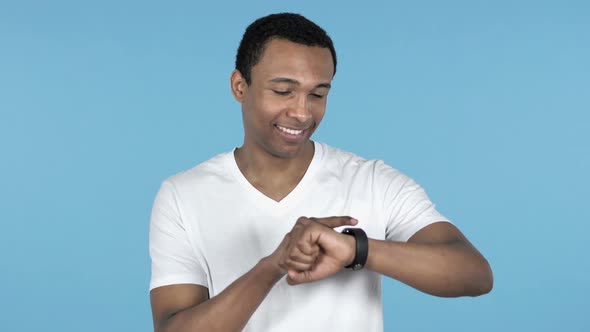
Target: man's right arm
{"x": 187, "y": 307}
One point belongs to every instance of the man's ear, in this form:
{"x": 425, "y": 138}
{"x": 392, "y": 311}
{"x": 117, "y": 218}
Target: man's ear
{"x": 238, "y": 85}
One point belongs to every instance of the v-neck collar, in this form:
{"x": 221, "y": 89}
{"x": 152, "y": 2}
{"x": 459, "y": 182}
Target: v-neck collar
{"x": 292, "y": 197}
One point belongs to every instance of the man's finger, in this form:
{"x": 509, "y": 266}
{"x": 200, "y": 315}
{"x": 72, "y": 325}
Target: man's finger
{"x": 298, "y": 256}
{"x": 334, "y": 222}
{"x": 305, "y": 246}
{"x": 296, "y": 266}
{"x": 299, "y": 277}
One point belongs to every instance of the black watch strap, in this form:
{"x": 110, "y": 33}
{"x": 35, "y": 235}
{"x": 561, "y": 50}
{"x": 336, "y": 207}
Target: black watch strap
{"x": 362, "y": 248}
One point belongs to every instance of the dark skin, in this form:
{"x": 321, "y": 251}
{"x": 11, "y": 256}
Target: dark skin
{"x": 289, "y": 89}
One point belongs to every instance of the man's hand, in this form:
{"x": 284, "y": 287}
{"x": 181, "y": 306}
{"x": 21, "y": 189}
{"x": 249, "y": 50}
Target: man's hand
{"x": 316, "y": 251}
{"x": 312, "y": 250}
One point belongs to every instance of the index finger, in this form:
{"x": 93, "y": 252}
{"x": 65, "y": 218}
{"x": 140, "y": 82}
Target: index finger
{"x": 334, "y": 222}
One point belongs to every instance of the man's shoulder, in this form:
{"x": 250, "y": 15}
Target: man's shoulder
{"x": 207, "y": 172}
{"x": 346, "y": 164}
{"x": 340, "y": 159}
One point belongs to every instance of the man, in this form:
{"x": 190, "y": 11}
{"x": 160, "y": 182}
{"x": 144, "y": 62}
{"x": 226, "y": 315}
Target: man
{"x": 258, "y": 239}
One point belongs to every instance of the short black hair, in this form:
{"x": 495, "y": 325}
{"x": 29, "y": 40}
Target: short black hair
{"x": 293, "y": 27}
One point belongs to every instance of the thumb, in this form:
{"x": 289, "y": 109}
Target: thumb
{"x": 334, "y": 222}
{"x": 299, "y": 277}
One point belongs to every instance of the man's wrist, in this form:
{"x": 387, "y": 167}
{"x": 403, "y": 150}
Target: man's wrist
{"x": 361, "y": 248}
{"x": 351, "y": 249}
{"x": 270, "y": 271}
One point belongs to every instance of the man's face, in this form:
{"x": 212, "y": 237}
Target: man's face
{"x": 286, "y": 98}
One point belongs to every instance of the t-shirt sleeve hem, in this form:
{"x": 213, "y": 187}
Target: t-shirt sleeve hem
{"x": 405, "y": 236}
{"x": 175, "y": 280}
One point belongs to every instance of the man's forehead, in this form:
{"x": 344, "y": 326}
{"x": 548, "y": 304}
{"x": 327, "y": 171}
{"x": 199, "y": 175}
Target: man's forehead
{"x": 292, "y": 81}
{"x": 284, "y": 61}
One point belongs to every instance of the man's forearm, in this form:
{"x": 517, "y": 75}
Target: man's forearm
{"x": 230, "y": 310}
{"x": 446, "y": 269}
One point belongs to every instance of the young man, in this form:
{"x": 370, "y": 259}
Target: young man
{"x": 258, "y": 239}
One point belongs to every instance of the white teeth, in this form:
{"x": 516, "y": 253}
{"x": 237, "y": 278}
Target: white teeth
{"x": 290, "y": 131}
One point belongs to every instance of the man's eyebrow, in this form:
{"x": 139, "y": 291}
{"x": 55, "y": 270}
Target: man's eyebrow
{"x": 284, "y": 80}
{"x": 324, "y": 85}
{"x": 295, "y": 82}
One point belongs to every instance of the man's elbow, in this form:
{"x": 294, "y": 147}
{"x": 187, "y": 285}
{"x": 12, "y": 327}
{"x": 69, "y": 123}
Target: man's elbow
{"x": 484, "y": 281}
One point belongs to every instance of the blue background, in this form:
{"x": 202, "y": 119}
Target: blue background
{"x": 485, "y": 103}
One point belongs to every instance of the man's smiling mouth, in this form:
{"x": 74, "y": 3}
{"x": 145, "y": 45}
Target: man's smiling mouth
{"x": 290, "y": 131}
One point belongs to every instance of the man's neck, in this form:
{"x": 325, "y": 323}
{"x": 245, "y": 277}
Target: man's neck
{"x": 272, "y": 175}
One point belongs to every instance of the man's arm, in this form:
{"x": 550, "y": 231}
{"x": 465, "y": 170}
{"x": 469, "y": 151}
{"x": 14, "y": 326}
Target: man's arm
{"x": 437, "y": 260}
{"x": 178, "y": 308}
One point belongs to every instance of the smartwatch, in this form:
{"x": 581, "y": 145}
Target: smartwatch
{"x": 362, "y": 248}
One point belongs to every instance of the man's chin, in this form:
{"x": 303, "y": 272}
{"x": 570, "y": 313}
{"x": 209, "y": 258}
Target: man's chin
{"x": 291, "y": 152}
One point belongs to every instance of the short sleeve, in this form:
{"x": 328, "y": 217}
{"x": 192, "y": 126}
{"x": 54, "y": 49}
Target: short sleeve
{"x": 173, "y": 257}
{"x": 407, "y": 207}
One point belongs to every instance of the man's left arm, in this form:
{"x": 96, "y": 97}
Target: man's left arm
{"x": 438, "y": 260}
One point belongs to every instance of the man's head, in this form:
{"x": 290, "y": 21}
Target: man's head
{"x": 285, "y": 67}
{"x": 288, "y": 26}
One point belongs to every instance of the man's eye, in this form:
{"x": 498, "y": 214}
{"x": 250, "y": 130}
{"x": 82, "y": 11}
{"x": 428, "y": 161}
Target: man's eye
{"x": 317, "y": 95}
{"x": 281, "y": 93}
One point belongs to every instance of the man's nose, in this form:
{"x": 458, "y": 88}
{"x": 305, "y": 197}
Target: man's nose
{"x": 300, "y": 109}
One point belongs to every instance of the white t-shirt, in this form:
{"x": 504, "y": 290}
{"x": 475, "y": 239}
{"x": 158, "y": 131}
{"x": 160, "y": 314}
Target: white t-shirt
{"x": 209, "y": 226}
